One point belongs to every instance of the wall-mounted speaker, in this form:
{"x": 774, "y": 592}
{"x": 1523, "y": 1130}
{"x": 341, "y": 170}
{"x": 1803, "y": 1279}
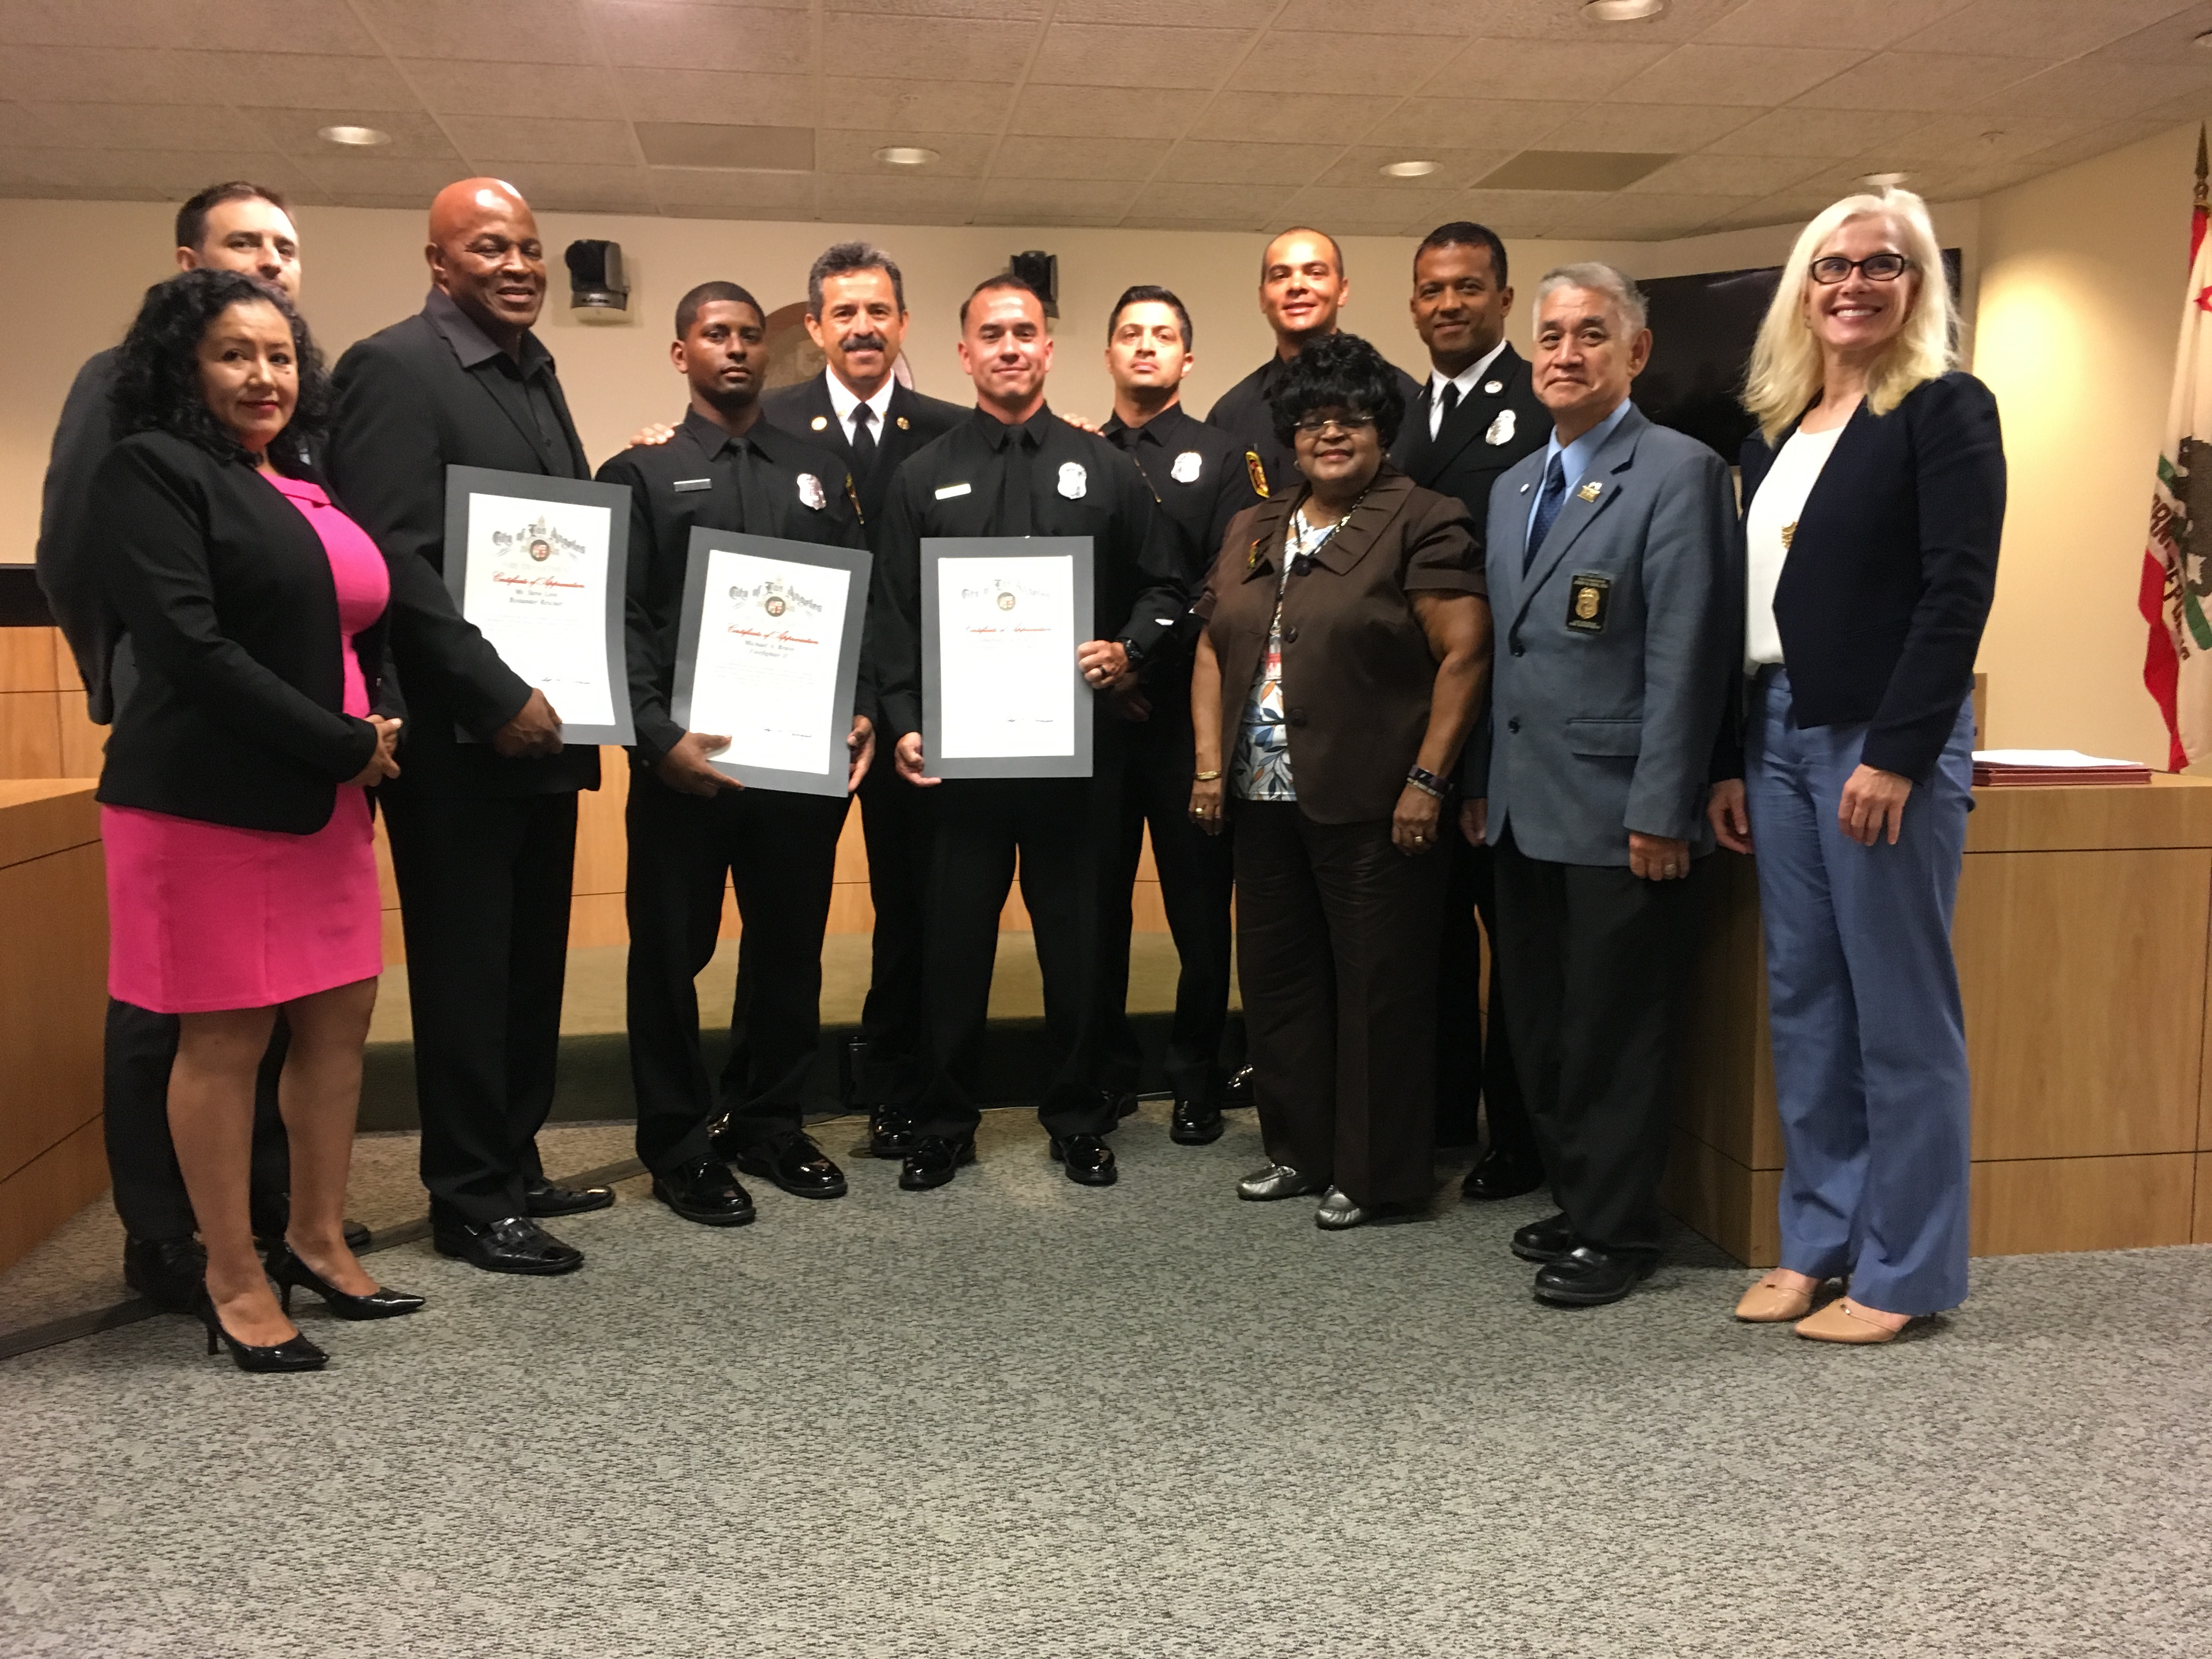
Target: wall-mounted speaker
{"x": 598, "y": 292}
{"x": 1042, "y": 272}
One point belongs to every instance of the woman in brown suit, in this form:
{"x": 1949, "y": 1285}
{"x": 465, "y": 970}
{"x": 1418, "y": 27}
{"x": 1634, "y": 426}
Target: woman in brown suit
{"x": 1348, "y": 622}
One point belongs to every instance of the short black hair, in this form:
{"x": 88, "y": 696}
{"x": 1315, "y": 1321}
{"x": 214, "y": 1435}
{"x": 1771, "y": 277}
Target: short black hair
{"x": 157, "y": 370}
{"x": 1341, "y": 371}
{"x": 1465, "y": 233}
{"x": 993, "y": 284}
{"x": 1151, "y": 293}
{"x": 191, "y": 218}
{"x": 707, "y": 293}
{"x": 840, "y": 258}
{"x": 1336, "y": 253}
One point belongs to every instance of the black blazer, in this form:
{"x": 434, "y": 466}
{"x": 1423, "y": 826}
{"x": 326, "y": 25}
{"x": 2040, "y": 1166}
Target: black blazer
{"x": 238, "y": 715}
{"x": 1485, "y": 432}
{"x": 1891, "y": 571}
{"x": 911, "y": 420}
{"x": 408, "y": 409}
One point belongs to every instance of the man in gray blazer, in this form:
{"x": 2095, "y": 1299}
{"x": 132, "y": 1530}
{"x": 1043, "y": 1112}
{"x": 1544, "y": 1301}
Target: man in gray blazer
{"x": 1610, "y": 562}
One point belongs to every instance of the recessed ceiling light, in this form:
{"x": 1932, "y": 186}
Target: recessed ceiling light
{"x": 361, "y": 136}
{"x": 1622, "y": 11}
{"x": 1408, "y": 169}
{"x": 906, "y": 155}
{"x": 1884, "y": 180}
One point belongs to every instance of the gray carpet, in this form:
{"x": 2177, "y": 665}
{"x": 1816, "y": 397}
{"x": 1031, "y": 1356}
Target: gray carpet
{"x": 1018, "y": 1418}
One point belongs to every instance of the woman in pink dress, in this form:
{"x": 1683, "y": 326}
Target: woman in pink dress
{"x": 241, "y": 877}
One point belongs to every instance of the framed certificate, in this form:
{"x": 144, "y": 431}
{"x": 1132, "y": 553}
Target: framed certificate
{"x": 767, "y": 654}
{"x": 1001, "y": 616}
{"x": 538, "y": 565}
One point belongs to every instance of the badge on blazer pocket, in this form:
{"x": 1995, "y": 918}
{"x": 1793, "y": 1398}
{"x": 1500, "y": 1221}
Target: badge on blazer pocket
{"x": 1589, "y": 596}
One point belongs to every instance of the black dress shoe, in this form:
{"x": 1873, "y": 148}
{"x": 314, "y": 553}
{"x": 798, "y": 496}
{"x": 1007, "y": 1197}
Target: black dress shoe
{"x": 1501, "y": 1175}
{"x": 513, "y": 1244}
{"x": 169, "y": 1273}
{"x": 1088, "y": 1160}
{"x": 799, "y": 1166}
{"x": 1237, "y": 1092}
{"x": 1587, "y": 1277}
{"x": 890, "y": 1133}
{"x": 286, "y": 1270}
{"x": 1195, "y": 1123}
{"x": 932, "y": 1160}
{"x": 707, "y": 1193}
{"x": 294, "y": 1353}
{"x": 545, "y": 1198}
{"x": 1544, "y": 1241}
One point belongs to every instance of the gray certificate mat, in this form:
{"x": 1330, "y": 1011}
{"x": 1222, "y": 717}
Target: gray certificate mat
{"x": 780, "y": 663}
{"x": 1002, "y": 697}
{"x": 541, "y": 537}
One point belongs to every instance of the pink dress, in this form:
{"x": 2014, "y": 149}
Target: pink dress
{"x": 203, "y": 916}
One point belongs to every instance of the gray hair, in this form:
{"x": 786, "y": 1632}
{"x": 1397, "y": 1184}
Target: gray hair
{"x": 844, "y": 256}
{"x": 1600, "y": 278}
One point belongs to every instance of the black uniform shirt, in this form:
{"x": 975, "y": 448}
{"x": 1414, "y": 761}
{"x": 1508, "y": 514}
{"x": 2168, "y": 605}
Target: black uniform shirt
{"x": 1078, "y": 484}
{"x": 765, "y": 484}
{"x": 524, "y": 388}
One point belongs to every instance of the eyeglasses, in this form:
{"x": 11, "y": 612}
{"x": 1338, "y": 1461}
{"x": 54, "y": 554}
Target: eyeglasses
{"x": 1876, "y": 268}
{"x": 1317, "y": 424}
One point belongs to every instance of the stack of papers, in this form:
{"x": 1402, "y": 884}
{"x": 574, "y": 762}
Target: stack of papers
{"x": 2027, "y": 768}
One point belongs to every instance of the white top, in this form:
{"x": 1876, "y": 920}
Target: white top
{"x": 1465, "y": 381}
{"x": 1766, "y": 533}
{"x": 842, "y": 400}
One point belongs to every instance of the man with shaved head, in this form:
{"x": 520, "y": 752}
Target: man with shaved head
{"x": 484, "y": 819}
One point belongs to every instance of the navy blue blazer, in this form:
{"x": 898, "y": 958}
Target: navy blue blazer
{"x": 1891, "y": 571}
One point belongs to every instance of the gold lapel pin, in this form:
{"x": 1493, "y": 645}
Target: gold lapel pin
{"x": 1590, "y": 491}
{"x": 821, "y": 422}
{"x": 902, "y": 424}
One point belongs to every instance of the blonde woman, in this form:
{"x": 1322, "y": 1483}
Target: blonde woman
{"x": 1873, "y": 494}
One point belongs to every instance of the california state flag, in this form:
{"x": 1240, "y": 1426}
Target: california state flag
{"x": 2177, "y": 576}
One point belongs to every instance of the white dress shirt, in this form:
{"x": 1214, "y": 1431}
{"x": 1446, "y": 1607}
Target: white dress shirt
{"x": 842, "y": 401}
{"x": 1467, "y": 379}
{"x": 1767, "y": 530}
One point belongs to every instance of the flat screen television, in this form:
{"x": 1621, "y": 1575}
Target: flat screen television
{"x": 1702, "y": 329}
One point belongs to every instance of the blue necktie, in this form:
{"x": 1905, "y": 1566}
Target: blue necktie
{"x": 1549, "y": 501}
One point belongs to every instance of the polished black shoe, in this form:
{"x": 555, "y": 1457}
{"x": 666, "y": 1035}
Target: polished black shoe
{"x": 890, "y": 1133}
{"x": 1544, "y": 1241}
{"x": 1195, "y": 1123}
{"x": 544, "y": 1198}
{"x": 932, "y": 1160}
{"x": 513, "y": 1244}
{"x": 286, "y": 1270}
{"x": 1236, "y": 1093}
{"x": 799, "y": 1166}
{"x": 1587, "y": 1277}
{"x": 296, "y": 1353}
{"x": 707, "y": 1193}
{"x": 1088, "y": 1160}
{"x": 169, "y": 1273}
{"x": 1501, "y": 1175}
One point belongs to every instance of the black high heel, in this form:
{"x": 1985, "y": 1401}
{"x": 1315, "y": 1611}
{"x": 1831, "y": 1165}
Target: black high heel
{"x": 296, "y": 1354}
{"x": 286, "y": 1268}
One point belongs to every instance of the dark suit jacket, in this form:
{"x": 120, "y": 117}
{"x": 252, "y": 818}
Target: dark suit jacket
{"x": 805, "y": 412}
{"x": 1485, "y": 432}
{"x": 1243, "y": 413}
{"x": 1358, "y": 674}
{"x": 1891, "y": 571}
{"x": 408, "y": 409}
{"x": 238, "y": 715}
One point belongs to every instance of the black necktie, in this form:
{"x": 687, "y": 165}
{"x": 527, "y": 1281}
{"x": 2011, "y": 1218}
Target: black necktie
{"x": 863, "y": 439}
{"x": 1549, "y": 501}
{"x": 1014, "y": 491}
{"x": 1448, "y": 402}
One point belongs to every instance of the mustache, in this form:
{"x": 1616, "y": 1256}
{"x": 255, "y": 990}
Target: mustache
{"x": 868, "y": 342}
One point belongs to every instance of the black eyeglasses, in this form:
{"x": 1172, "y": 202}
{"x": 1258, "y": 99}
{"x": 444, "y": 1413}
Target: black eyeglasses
{"x": 1318, "y": 424}
{"x": 1876, "y": 268}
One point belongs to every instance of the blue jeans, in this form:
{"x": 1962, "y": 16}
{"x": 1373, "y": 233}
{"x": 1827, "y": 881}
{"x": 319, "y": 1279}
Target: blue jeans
{"x": 1869, "y": 1041}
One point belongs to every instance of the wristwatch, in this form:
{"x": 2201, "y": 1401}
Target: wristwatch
{"x": 1425, "y": 780}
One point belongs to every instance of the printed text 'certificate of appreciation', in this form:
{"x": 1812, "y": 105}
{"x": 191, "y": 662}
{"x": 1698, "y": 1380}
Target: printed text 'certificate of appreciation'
{"x": 537, "y": 563}
{"x": 1001, "y": 619}
{"x": 768, "y": 655}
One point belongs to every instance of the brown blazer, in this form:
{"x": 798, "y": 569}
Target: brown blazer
{"x": 1357, "y": 669}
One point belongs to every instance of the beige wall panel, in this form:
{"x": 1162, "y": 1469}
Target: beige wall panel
{"x": 47, "y": 1192}
{"x": 2081, "y": 1204}
{"x": 53, "y": 997}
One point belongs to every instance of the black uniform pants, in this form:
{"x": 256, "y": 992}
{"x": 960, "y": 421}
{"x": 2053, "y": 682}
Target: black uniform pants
{"x": 780, "y": 853}
{"x": 1196, "y": 874}
{"x": 897, "y": 821}
{"x": 1593, "y": 958}
{"x": 483, "y": 895}
{"x": 1474, "y": 1063}
{"x": 1336, "y": 952}
{"x": 1059, "y": 828}
{"x": 140, "y": 1046}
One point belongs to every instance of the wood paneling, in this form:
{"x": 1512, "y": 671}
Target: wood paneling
{"x": 48, "y": 1191}
{"x": 601, "y": 849}
{"x": 2200, "y": 1226}
{"x": 29, "y": 662}
{"x": 596, "y": 919}
{"x": 40, "y": 815}
{"x": 1729, "y": 1203}
{"x": 53, "y": 999}
{"x": 1726, "y": 1060}
{"x": 2031, "y": 1206}
{"x": 83, "y": 744}
{"x": 2170, "y": 811}
{"x": 30, "y": 732}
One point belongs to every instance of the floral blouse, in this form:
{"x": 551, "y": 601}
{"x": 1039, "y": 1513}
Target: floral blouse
{"x": 1262, "y": 768}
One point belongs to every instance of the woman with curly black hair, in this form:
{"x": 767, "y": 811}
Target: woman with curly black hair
{"x": 241, "y": 878}
{"x": 1349, "y": 623}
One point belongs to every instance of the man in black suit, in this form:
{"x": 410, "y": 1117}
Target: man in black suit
{"x": 859, "y": 409}
{"x": 693, "y": 828}
{"x": 1476, "y": 417}
{"x": 1198, "y": 475}
{"x": 483, "y": 832}
{"x": 1302, "y": 289}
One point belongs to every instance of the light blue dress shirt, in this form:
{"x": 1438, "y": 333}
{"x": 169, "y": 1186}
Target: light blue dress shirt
{"x": 1577, "y": 456}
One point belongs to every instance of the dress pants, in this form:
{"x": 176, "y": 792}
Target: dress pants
{"x": 140, "y": 1046}
{"x": 1061, "y": 829}
{"x": 1336, "y": 953}
{"x": 1594, "y": 957}
{"x": 897, "y": 821}
{"x": 1195, "y": 871}
{"x": 1863, "y": 999}
{"x": 779, "y": 850}
{"x": 1474, "y": 1059}
{"x": 483, "y": 895}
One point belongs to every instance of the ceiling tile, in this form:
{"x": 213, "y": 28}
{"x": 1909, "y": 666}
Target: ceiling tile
{"x": 82, "y": 74}
{"x": 173, "y": 175}
{"x": 702, "y": 188}
{"x": 1456, "y": 169}
{"x": 1096, "y": 55}
{"x": 1760, "y": 75}
{"x": 1563, "y": 20}
{"x": 1100, "y": 112}
{"x": 1542, "y": 68}
{"x": 1531, "y": 212}
{"x": 2098, "y": 141}
{"x": 1729, "y": 175}
{"x": 996, "y": 11}
{"x": 1230, "y": 204}
{"x": 650, "y": 94}
{"x": 2102, "y": 88}
{"x": 1131, "y": 160}
{"x": 653, "y": 35}
{"x": 960, "y": 155}
{"x": 1173, "y": 14}
{"x": 462, "y": 87}
{"x": 1676, "y": 127}
{"x": 74, "y": 23}
{"x": 1283, "y": 63}
{"x": 1217, "y": 161}
{"x": 2052, "y": 29}
{"x": 559, "y": 187}
{"x": 2162, "y": 41}
{"x": 309, "y": 25}
{"x": 2189, "y": 107}
{"x": 1649, "y": 218}
{"x": 296, "y": 132}
{"x": 1794, "y": 132}
{"x": 135, "y": 126}
{"x": 906, "y": 200}
{"x": 1345, "y": 210}
{"x": 1815, "y": 22}
{"x": 1426, "y": 19}
{"x": 416, "y": 179}
{"x": 926, "y": 48}
{"x": 922, "y": 106}
{"x": 1055, "y": 201}
{"x": 1484, "y": 124}
{"x": 1598, "y": 170}
{"x": 1310, "y": 118}
{"x": 299, "y": 81}
{"x": 543, "y": 138}
{"x": 518, "y": 31}
{"x": 1932, "y": 82}
{"x": 1951, "y": 140}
